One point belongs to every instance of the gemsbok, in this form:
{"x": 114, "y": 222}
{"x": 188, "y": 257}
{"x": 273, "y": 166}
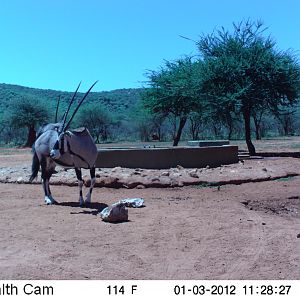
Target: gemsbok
{"x": 55, "y": 144}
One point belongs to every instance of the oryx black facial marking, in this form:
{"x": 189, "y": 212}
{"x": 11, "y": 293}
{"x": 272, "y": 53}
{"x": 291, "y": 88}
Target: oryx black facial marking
{"x": 55, "y": 144}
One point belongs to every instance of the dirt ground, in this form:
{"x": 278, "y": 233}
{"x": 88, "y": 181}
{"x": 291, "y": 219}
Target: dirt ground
{"x": 245, "y": 231}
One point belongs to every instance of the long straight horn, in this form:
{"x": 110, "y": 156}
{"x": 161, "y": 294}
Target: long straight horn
{"x": 79, "y": 104}
{"x": 68, "y": 109}
{"x": 57, "y": 106}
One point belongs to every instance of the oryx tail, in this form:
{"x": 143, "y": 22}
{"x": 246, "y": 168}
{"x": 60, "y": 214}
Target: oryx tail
{"x": 34, "y": 167}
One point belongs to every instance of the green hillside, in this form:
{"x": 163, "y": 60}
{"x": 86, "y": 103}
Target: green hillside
{"x": 117, "y": 116}
{"x": 117, "y": 101}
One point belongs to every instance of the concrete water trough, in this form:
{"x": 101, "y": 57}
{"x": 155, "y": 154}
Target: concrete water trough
{"x": 165, "y": 158}
{"x": 208, "y": 143}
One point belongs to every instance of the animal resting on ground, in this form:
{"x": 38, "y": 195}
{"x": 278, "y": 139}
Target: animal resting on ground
{"x": 55, "y": 144}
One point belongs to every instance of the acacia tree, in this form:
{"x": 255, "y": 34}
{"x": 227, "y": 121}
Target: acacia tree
{"x": 173, "y": 92}
{"x": 97, "y": 119}
{"x": 29, "y": 113}
{"x": 286, "y": 119}
{"x": 244, "y": 71}
{"x": 196, "y": 122}
{"x": 257, "y": 116}
{"x": 146, "y": 123}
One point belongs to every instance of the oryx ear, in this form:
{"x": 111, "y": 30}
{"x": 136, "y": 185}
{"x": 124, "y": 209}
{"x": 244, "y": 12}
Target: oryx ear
{"x": 66, "y": 127}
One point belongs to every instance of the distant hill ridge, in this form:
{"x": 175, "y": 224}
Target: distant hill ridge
{"x": 119, "y": 100}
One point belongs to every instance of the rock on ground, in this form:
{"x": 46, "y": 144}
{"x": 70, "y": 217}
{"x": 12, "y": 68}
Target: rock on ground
{"x": 249, "y": 171}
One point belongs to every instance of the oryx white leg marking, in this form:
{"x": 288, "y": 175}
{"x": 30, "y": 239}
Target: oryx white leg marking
{"x": 89, "y": 194}
{"x": 80, "y": 185}
{"x": 93, "y": 180}
{"x": 48, "y": 197}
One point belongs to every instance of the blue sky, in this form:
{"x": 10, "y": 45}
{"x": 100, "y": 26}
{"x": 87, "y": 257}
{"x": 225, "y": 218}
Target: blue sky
{"x": 53, "y": 44}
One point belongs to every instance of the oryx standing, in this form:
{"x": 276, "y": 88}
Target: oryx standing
{"x": 69, "y": 148}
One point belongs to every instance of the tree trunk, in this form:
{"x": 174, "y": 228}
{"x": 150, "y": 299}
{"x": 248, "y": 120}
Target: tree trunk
{"x": 229, "y": 123}
{"x": 215, "y": 130}
{"x": 230, "y": 130}
{"x": 257, "y": 122}
{"x": 31, "y": 136}
{"x": 285, "y": 129}
{"x": 246, "y": 115}
{"x": 104, "y": 133}
{"x": 257, "y": 132}
{"x": 195, "y": 130}
{"x": 159, "y": 133}
{"x": 182, "y": 122}
{"x": 229, "y": 135}
{"x": 287, "y": 124}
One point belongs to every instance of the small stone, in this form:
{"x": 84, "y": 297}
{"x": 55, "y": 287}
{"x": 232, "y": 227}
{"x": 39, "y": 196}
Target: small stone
{"x": 115, "y": 213}
{"x": 166, "y": 173}
{"x": 176, "y": 175}
{"x": 140, "y": 186}
{"x": 298, "y": 236}
{"x": 125, "y": 175}
{"x": 194, "y": 174}
{"x": 263, "y": 223}
{"x": 133, "y": 202}
{"x": 155, "y": 179}
{"x": 116, "y": 169}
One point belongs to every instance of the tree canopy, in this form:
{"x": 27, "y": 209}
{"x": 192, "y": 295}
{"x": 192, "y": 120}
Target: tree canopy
{"x": 27, "y": 113}
{"x": 174, "y": 91}
{"x": 97, "y": 119}
{"x": 243, "y": 72}
{"x": 239, "y": 78}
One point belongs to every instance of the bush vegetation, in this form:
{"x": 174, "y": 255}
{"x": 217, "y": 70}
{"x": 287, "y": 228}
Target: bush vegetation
{"x": 240, "y": 86}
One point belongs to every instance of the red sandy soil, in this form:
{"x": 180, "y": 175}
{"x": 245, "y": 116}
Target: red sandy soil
{"x": 246, "y": 231}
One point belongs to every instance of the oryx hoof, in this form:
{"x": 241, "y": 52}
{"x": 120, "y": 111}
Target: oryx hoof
{"x": 50, "y": 201}
{"x": 88, "y": 204}
{"x": 81, "y": 202}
